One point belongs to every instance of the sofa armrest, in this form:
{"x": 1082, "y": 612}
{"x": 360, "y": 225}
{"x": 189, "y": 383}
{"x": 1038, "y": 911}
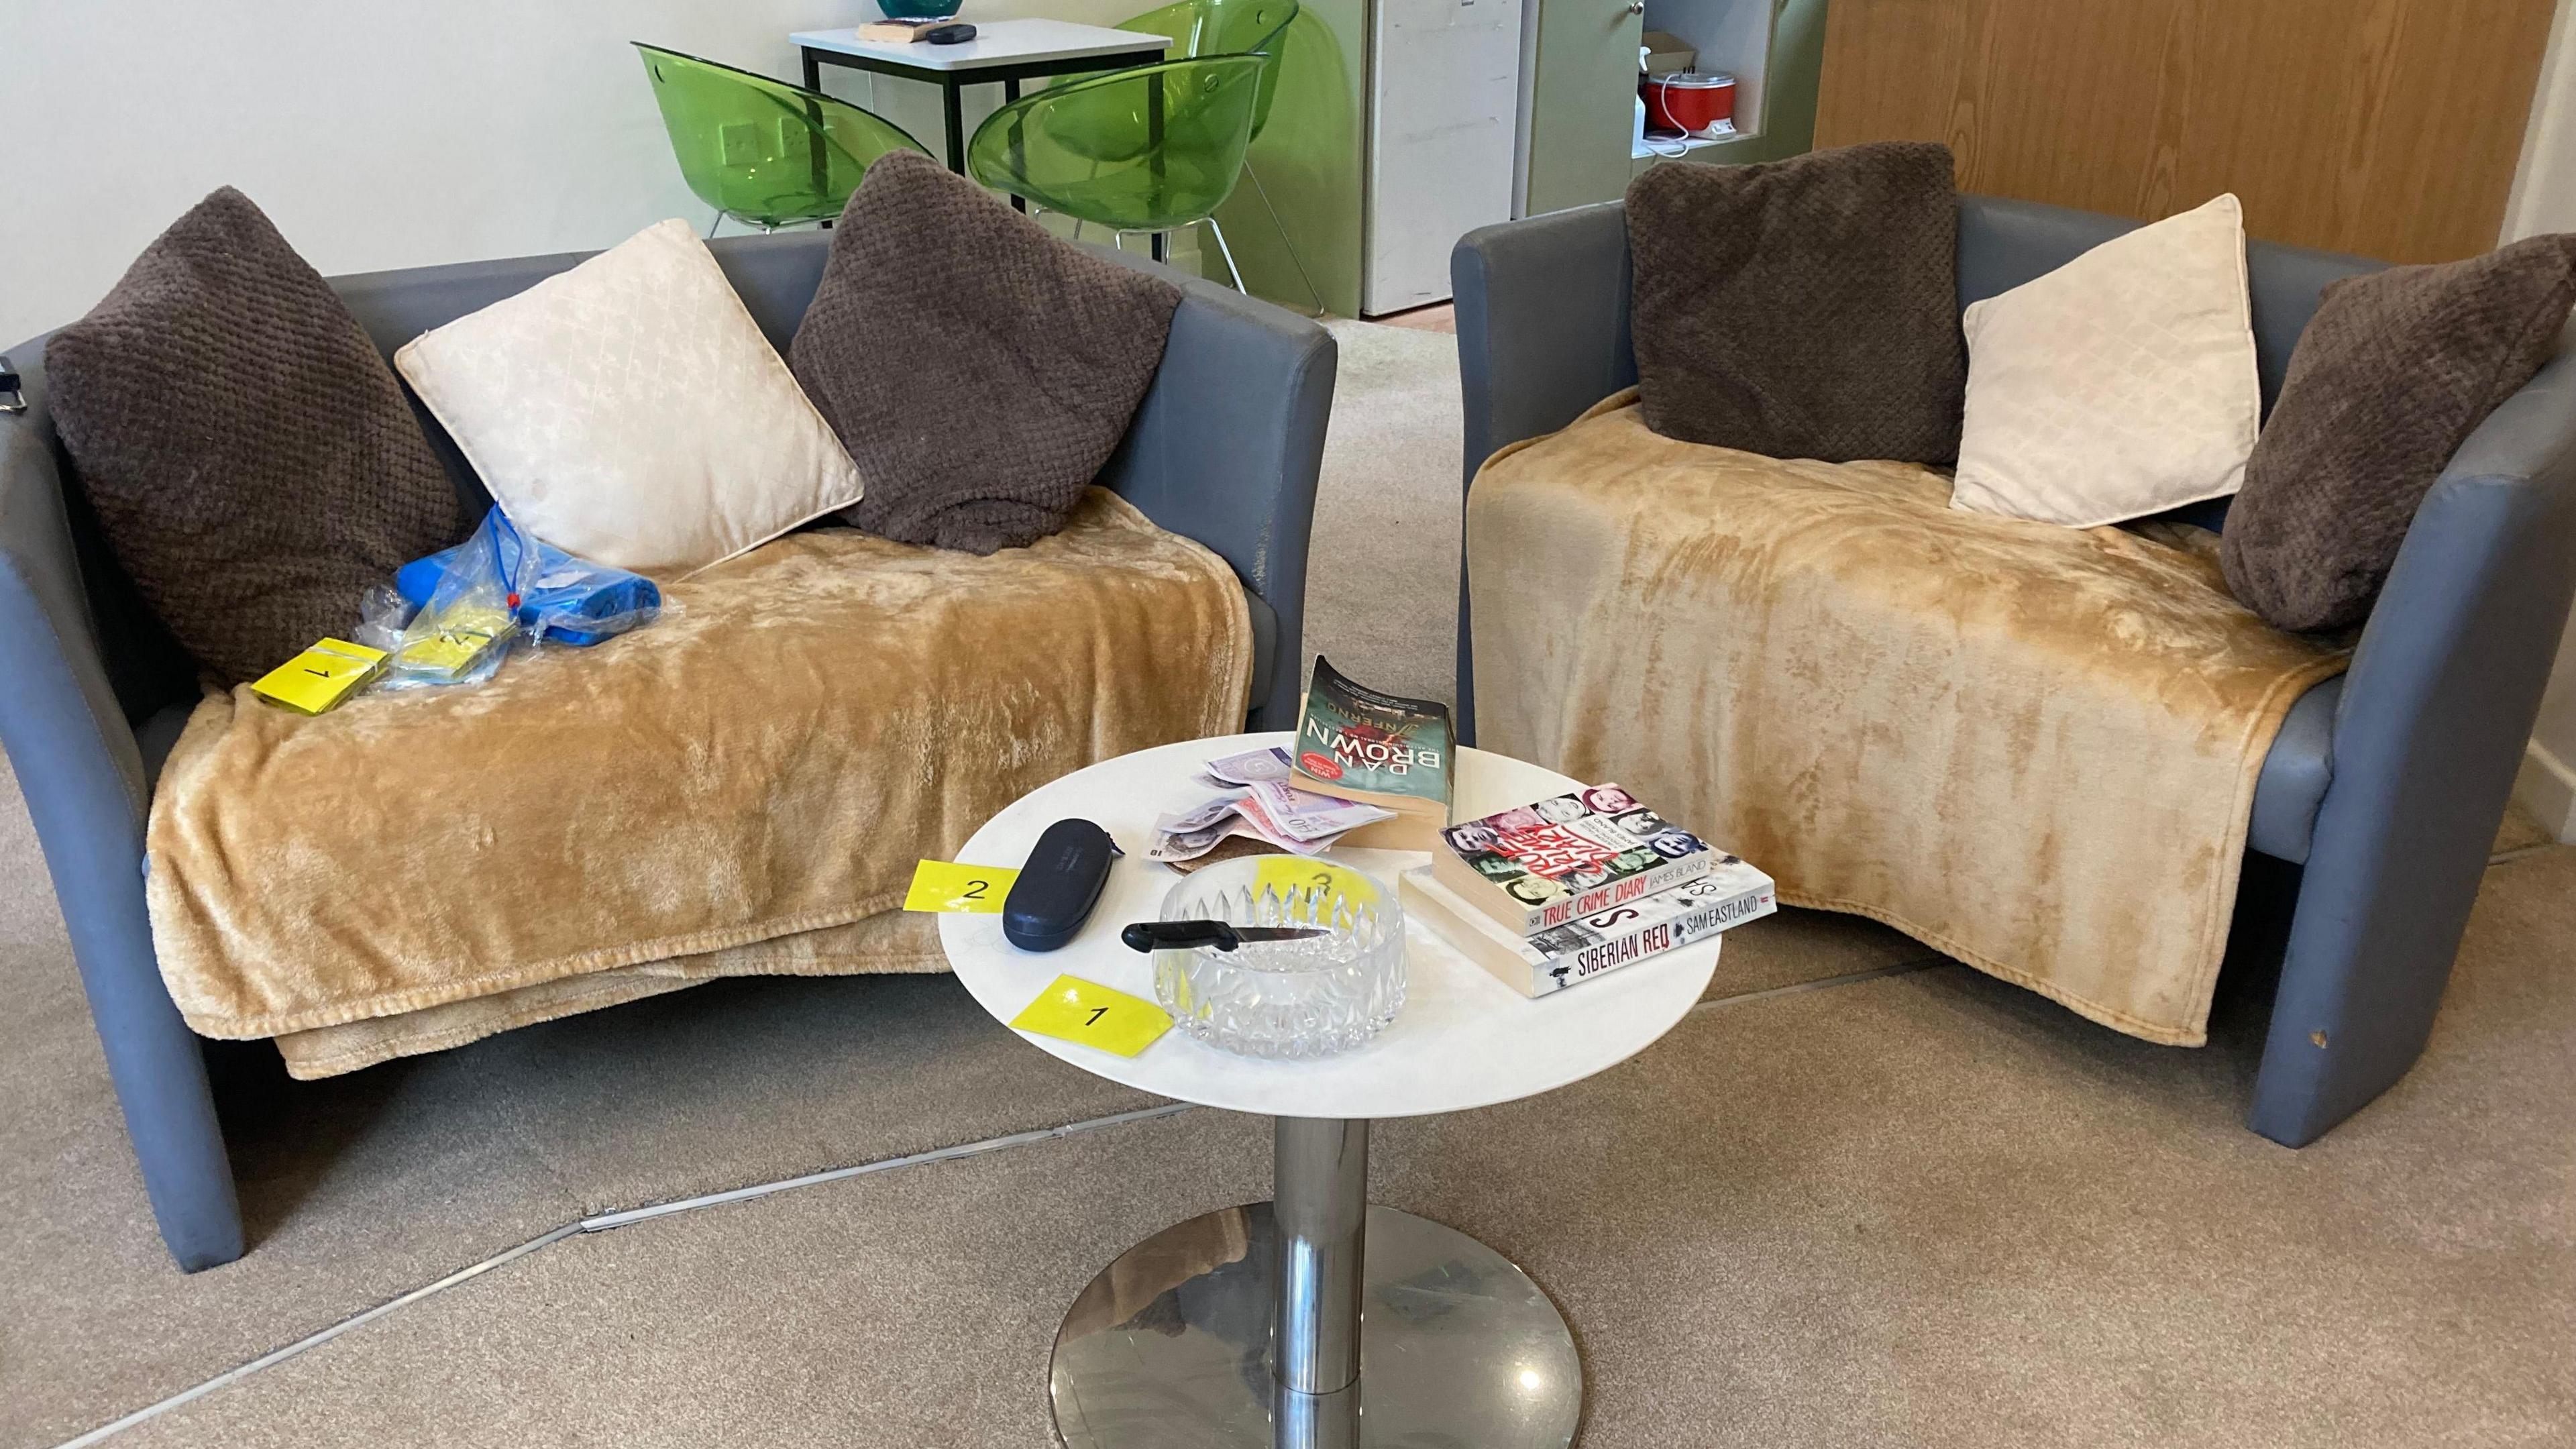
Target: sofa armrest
{"x": 1542, "y": 323}
{"x": 2441, "y": 697}
{"x": 1542, "y": 308}
{"x": 59, "y": 700}
{"x": 83, "y": 778}
{"x": 1226, "y": 448}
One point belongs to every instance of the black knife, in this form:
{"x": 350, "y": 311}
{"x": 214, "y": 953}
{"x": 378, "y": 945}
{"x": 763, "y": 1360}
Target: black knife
{"x": 1184, "y": 935}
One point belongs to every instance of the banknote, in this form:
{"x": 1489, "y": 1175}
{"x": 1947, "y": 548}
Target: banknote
{"x": 1258, "y": 821}
{"x": 1188, "y": 845}
{"x": 1203, "y": 816}
{"x": 1305, "y": 815}
{"x": 1251, "y": 765}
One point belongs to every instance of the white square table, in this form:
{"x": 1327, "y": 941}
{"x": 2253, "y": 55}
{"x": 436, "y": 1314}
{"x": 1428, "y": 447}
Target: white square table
{"x": 1003, "y": 52}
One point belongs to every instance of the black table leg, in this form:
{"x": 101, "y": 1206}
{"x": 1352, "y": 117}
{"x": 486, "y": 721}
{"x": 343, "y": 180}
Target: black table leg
{"x": 1161, "y": 245}
{"x": 956, "y": 114}
{"x": 1019, "y": 141}
{"x": 952, "y": 84}
{"x": 819, "y": 158}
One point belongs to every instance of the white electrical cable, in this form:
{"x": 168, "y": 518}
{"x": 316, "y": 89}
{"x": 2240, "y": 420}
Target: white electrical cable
{"x": 1678, "y": 140}
{"x": 1646, "y": 136}
{"x": 1677, "y": 137}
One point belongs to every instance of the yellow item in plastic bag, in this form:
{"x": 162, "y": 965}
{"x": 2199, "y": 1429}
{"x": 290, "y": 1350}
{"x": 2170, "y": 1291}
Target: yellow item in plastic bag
{"x": 461, "y": 635}
{"x": 320, "y": 677}
{"x": 465, "y": 630}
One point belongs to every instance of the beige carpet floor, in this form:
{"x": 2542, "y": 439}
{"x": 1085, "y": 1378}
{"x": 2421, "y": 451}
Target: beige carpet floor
{"x": 1925, "y": 1209}
{"x": 1382, "y": 590}
{"x": 360, "y": 1188}
{"x": 1913, "y": 1209}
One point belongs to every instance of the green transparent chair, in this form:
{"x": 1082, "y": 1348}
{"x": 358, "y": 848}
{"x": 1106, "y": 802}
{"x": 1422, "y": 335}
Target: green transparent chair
{"x": 760, "y": 150}
{"x": 1200, "y": 28}
{"x": 1234, "y": 27}
{"x": 1152, "y": 149}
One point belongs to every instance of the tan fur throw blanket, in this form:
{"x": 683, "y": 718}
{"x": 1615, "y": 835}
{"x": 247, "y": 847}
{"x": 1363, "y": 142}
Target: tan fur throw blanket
{"x": 2031, "y": 747}
{"x": 743, "y": 786}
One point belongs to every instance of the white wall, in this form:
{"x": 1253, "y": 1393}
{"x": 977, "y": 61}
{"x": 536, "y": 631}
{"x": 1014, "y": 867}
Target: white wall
{"x": 2544, "y": 200}
{"x": 375, "y": 134}
{"x": 2544, "y": 183}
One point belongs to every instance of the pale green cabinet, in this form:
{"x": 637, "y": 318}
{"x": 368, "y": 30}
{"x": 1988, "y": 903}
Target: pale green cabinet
{"x": 1581, "y": 101}
{"x": 1582, "y": 94}
{"x": 1579, "y": 110}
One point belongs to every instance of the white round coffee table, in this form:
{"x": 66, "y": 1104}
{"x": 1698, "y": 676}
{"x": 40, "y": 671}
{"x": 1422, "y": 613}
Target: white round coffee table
{"x": 1314, "y": 1319}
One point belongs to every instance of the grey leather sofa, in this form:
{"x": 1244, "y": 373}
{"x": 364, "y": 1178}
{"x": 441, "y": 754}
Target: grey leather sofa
{"x": 1225, "y": 449}
{"x": 2382, "y": 793}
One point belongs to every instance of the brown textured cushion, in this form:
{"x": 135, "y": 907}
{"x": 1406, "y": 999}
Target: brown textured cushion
{"x": 979, "y": 370}
{"x": 248, "y": 452}
{"x": 1805, "y": 308}
{"x": 2392, "y": 374}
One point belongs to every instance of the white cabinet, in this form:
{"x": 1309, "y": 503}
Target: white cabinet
{"x": 1444, "y": 89}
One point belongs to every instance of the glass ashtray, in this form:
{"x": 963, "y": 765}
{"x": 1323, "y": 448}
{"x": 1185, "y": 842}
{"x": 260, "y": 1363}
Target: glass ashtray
{"x": 1296, "y": 999}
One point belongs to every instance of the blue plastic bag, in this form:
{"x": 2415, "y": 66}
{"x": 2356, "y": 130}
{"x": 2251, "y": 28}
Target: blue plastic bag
{"x": 467, "y": 625}
{"x": 561, "y": 599}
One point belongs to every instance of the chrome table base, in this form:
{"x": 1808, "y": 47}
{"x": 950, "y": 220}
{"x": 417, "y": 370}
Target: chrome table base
{"x": 1404, "y": 1331}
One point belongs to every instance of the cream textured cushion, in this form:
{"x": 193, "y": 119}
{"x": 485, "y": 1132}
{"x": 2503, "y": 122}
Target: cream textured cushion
{"x": 629, "y": 411}
{"x": 2119, "y": 385}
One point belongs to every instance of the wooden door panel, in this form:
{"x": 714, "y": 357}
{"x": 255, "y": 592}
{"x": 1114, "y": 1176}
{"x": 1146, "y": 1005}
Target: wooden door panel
{"x": 2389, "y": 128}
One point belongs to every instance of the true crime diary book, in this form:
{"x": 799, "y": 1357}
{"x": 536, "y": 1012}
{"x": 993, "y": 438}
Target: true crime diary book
{"x": 1568, "y": 856}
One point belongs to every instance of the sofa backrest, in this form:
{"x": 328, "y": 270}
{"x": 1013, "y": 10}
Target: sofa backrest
{"x": 2003, "y": 244}
{"x": 1218, "y": 417}
{"x": 1223, "y": 448}
{"x": 775, "y": 274}
{"x": 1544, "y": 329}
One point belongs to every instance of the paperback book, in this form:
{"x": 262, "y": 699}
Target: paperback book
{"x": 1381, "y": 749}
{"x": 901, "y": 32}
{"x": 1729, "y": 895}
{"x": 1569, "y": 856}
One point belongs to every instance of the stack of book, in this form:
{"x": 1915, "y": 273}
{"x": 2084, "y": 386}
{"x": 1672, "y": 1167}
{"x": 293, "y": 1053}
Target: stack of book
{"x": 1555, "y": 893}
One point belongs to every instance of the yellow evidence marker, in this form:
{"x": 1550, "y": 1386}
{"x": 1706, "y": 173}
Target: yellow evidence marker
{"x": 1094, "y": 1015}
{"x": 321, "y": 676}
{"x": 939, "y": 885}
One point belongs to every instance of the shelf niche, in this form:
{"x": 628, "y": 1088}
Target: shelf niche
{"x": 1733, "y": 36}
